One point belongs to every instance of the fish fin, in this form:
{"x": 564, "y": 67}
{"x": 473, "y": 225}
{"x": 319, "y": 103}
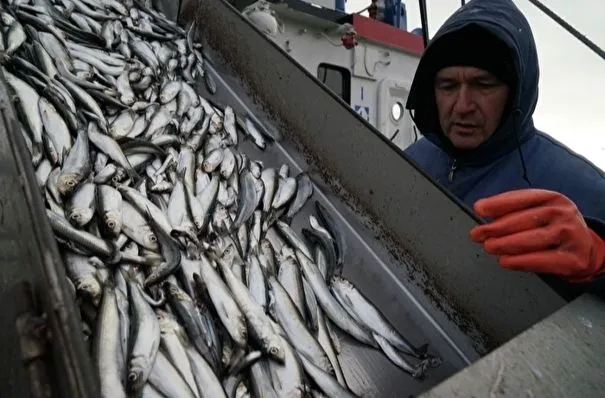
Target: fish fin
{"x": 271, "y": 302}
{"x": 271, "y": 218}
{"x": 115, "y": 256}
{"x": 236, "y": 363}
{"x": 179, "y": 232}
{"x": 134, "y": 176}
{"x": 420, "y": 371}
{"x": 200, "y": 290}
{"x": 422, "y": 350}
{"x": 333, "y": 336}
{"x": 433, "y": 361}
{"x": 127, "y": 143}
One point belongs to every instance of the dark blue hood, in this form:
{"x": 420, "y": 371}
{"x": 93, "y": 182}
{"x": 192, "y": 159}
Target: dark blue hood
{"x": 505, "y": 21}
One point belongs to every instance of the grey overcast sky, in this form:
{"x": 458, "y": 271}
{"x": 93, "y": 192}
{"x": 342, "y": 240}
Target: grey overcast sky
{"x": 571, "y": 105}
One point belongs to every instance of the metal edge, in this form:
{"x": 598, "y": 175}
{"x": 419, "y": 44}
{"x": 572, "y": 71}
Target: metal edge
{"x": 67, "y": 342}
{"x": 558, "y": 357}
{"x": 423, "y": 221}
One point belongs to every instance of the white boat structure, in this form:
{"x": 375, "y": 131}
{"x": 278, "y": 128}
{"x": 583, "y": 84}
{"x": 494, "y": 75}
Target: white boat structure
{"x": 369, "y": 62}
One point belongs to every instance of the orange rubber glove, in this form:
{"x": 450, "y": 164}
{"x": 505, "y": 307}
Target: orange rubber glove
{"x": 540, "y": 231}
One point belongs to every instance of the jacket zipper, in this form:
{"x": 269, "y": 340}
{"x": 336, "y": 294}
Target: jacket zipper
{"x": 452, "y": 170}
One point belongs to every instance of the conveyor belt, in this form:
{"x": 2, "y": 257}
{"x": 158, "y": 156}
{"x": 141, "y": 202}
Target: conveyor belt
{"x": 370, "y": 267}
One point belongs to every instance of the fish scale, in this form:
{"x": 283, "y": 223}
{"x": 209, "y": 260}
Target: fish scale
{"x": 198, "y": 227}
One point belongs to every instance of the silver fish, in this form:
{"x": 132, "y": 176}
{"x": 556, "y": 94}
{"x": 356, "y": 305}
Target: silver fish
{"x": 173, "y": 342}
{"x": 258, "y": 138}
{"x": 146, "y": 336}
{"x": 323, "y": 338}
{"x": 136, "y": 228}
{"x": 248, "y": 198}
{"x": 329, "y": 304}
{"x": 28, "y": 105}
{"x": 325, "y": 381}
{"x": 256, "y": 282}
{"x": 304, "y": 190}
{"x": 204, "y": 376}
{"x": 229, "y": 124}
{"x": 83, "y": 274}
{"x": 362, "y": 309}
{"x": 106, "y": 346}
{"x": 122, "y": 125}
{"x": 226, "y": 307}
{"x": 285, "y": 192}
{"x": 109, "y": 207}
{"x": 294, "y": 325}
{"x": 80, "y": 207}
{"x": 111, "y": 148}
{"x": 260, "y": 324}
{"x": 42, "y": 172}
{"x": 290, "y": 278}
{"x": 166, "y": 379}
{"x": 416, "y": 372}
{"x": 287, "y": 377}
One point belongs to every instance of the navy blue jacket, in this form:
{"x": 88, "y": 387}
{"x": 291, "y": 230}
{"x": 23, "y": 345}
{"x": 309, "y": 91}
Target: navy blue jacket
{"x": 517, "y": 155}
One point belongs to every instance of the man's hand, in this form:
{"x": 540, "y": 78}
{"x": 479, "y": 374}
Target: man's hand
{"x": 539, "y": 231}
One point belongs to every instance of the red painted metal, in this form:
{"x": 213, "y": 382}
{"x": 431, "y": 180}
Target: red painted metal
{"x": 374, "y": 30}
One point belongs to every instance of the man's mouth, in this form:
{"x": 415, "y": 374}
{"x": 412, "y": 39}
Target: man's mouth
{"x": 464, "y": 128}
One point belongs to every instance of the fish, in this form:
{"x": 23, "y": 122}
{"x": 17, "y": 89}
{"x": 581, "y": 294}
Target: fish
{"x": 185, "y": 254}
{"x": 260, "y": 324}
{"x": 109, "y": 207}
{"x": 227, "y": 308}
{"x": 76, "y": 166}
{"x": 82, "y": 272}
{"x": 146, "y": 336}
{"x": 304, "y": 191}
{"x": 294, "y": 325}
{"x": 329, "y": 304}
{"x": 106, "y": 346}
{"x": 359, "y": 307}
{"x": 174, "y": 343}
{"x": 80, "y": 207}
{"x": 328, "y": 384}
{"x": 417, "y": 371}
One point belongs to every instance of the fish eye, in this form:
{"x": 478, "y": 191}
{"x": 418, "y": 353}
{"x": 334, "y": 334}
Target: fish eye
{"x": 111, "y": 224}
{"x": 75, "y": 216}
{"x": 273, "y": 350}
{"x": 71, "y": 183}
{"x": 153, "y": 238}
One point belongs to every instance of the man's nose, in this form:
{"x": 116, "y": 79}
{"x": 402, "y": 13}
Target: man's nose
{"x": 464, "y": 101}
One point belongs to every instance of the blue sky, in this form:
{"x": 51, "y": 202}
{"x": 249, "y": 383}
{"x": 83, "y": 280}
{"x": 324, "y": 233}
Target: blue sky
{"x": 571, "y": 105}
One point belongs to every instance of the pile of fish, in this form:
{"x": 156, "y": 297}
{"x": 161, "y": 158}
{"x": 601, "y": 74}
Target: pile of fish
{"x": 189, "y": 278}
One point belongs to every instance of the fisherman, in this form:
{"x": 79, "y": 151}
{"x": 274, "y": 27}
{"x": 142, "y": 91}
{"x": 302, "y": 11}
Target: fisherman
{"x": 472, "y": 98}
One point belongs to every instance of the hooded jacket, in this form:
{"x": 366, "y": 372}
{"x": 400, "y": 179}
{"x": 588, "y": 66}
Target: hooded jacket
{"x": 517, "y": 155}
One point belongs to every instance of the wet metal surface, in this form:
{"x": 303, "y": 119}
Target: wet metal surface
{"x": 28, "y": 253}
{"x": 561, "y": 356}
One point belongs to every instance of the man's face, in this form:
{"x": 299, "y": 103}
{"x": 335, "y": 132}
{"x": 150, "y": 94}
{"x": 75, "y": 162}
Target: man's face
{"x": 470, "y": 103}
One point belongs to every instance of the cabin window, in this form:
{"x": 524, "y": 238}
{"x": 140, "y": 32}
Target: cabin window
{"x": 337, "y": 79}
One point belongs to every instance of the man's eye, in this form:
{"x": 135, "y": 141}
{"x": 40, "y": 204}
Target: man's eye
{"x": 448, "y": 86}
{"x": 487, "y": 84}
